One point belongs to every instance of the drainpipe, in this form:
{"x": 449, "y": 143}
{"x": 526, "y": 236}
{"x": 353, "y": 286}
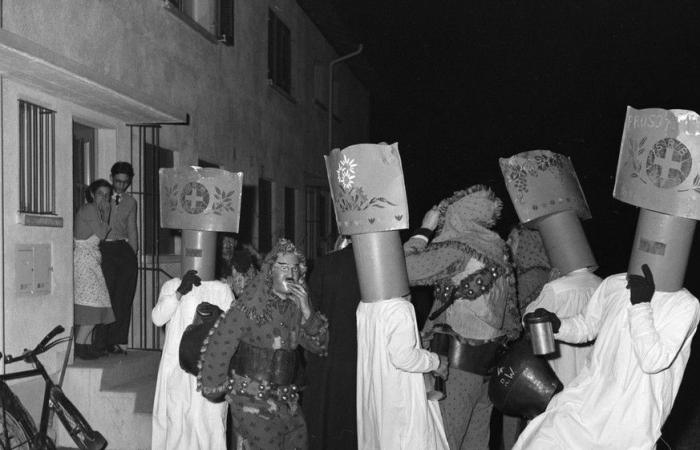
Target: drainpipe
{"x": 331, "y": 66}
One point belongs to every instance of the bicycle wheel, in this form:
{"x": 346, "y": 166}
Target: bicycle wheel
{"x": 75, "y": 424}
{"x": 17, "y": 426}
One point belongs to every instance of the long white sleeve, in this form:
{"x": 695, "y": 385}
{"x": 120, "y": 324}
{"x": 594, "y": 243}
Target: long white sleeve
{"x": 404, "y": 350}
{"x": 584, "y": 327}
{"x": 657, "y": 343}
{"x": 167, "y": 303}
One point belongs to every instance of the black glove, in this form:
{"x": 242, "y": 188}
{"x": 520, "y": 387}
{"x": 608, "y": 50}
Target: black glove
{"x": 188, "y": 279}
{"x": 641, "y": 287}
{"x": 541, "y": 312}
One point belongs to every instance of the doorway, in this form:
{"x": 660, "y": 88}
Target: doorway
{"x": 84, "y": 163}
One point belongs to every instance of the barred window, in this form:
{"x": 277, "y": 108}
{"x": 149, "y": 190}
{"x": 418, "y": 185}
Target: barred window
{"x": 279, "y": 53}
{"x": 37, "y": 167}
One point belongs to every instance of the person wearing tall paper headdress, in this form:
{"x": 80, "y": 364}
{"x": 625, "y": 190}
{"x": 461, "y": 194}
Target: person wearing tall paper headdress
{"x": 643, "y": 321}
{"x": 547, "y": 196}
{"x": 468, "y": 265}
{"x": 393, "y": 411}
{"x": 182, "y": 418}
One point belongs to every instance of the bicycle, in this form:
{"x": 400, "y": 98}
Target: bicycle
{"x": 18, "y": 428}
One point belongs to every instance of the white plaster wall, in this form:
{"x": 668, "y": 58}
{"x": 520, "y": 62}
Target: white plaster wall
{"x": 237, "y": 119}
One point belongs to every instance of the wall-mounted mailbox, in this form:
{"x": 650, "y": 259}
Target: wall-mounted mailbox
{"x": 33, "y": 269}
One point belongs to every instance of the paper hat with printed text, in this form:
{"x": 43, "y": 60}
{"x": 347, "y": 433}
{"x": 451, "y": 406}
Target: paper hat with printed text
{"x": 658, "y": 170}
{"x": 200, "y": 201}
{"x": 369, "y": 196}
{"x": 547, "y": 195}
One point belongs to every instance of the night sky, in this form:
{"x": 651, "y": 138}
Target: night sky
{"x": 466, "y": 82}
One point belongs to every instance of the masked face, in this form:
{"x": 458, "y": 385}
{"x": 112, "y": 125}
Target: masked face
{"x": 285, "y": 271}
{"x": 228, "y": 245}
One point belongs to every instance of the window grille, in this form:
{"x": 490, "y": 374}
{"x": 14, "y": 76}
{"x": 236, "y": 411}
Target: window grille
{"x": 279, "y": 53}
{"x": 37, "y": 164}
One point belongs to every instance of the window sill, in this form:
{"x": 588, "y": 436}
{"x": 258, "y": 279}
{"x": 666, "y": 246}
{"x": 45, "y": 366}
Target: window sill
{"x": 281, "y": 91}
{"x": 39, "y": 220}
{"x": 191, "y": 23}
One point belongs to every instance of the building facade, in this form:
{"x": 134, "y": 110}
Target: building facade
{"x": 238, "y": 84}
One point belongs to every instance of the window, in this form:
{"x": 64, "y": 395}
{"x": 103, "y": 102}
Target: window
{"x": 226, "y": 15}
{"x": 289, "y": 213}
{"x": 320, "y": 231}
{"x": 37, "y": 168}
{"x": 212, "y": 18}
{"x": 279, "y": 53}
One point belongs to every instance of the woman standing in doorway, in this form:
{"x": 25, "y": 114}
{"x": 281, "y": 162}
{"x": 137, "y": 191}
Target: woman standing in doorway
{"x": 92, "y": 303}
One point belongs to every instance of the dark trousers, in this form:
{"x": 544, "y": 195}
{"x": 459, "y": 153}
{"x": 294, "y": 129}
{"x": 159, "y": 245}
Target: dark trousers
{"x": 119, "y": 266}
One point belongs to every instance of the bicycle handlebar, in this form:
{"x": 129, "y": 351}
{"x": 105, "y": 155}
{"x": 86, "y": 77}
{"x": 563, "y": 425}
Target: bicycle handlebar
{"x": 40, "y": 348}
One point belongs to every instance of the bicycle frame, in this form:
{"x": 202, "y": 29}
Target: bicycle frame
{"x": 54, "y": 399}
{"x": 38, "y": 370}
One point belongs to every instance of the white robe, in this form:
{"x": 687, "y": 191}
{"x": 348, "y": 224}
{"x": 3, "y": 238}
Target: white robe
{"x": 393, "y": 411}
{"x": 568, "y": 296}
{"x": 182, "y": 417}
{"x": 624, "y": 394}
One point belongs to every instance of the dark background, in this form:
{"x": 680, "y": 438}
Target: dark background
{"x": 463, "y": 83}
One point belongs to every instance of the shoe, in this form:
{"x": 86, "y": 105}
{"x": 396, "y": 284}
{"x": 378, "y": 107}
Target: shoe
{"x": 83, "y": 351}
{"x": 116, "y": 349}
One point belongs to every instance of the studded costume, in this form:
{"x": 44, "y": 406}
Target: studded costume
{"x": 468, "y": 266}
{"x": 250, "y": 359}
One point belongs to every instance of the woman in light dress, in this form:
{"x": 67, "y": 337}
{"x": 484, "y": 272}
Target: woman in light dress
{"x": 92, "y": 303}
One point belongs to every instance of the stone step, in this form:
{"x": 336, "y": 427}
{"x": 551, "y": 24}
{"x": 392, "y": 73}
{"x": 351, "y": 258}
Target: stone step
{"x": 115, "y": 394}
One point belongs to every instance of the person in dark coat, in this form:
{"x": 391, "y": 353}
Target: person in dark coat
{"x": 329, "y": 398}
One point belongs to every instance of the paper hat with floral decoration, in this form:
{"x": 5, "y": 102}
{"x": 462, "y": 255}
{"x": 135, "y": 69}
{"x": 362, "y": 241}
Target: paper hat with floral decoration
{"x": 367, "y": 186}
{"x": 540, "y": 183}
{"x": 658, "y": 170}
{"x": 203, "y": 199}
{"x": 547, "y": 195}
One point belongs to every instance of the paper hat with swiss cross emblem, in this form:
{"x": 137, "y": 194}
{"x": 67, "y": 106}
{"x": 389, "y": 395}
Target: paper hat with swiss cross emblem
{"x": 547, "y": 195}
{"x": 196, "y": 198}
{"x": 200, "y": 201}
{"x": 658, "y": 171}
{"x": 369, "y": 196}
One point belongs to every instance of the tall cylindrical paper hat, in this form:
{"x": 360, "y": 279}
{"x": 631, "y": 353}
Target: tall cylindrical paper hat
{"x": 658, "y": 171}
{"x": 201, "y": 202}
{"x": 367, "y": 186}
{"x": 547, "y": 195}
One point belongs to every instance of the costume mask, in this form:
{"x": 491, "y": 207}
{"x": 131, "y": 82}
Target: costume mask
{"x": 285, "y": 271}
